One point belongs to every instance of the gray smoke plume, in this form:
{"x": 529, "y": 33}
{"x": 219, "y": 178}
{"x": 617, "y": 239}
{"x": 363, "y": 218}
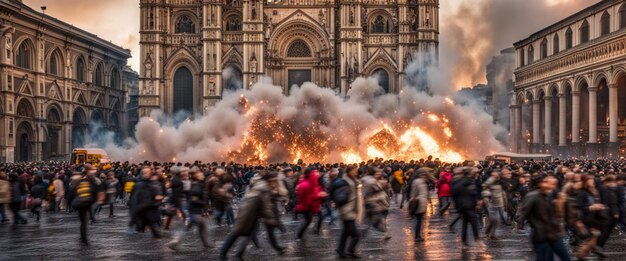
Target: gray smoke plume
{"x": 313, "y": 121}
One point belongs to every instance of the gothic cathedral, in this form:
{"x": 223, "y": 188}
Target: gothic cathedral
{"x": 194, "y": 51}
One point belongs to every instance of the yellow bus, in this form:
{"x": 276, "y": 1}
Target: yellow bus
{"x": 93, "y": 156}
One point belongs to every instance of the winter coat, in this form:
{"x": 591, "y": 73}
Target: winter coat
{"x": 376, "y": 198}
{"x": 59, "y": 190}
{"x": 540, "y": 212}
{"x": 443, "y": 184}
{"x": 494, "y": 187}
{"x": 353, "y": 210}
{"x": 197, "y": 197}
{"x": 466, "y": 194}
{"x": 18, "y": 190}
{"x": 419, "y": 190}
{"x": 257, "y": 203}
{"x": 308, "y": 191}
{"x": 111, "y": 190}
{"x": 5, "y": 191}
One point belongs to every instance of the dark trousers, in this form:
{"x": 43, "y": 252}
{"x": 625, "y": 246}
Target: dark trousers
{"x": 606, "y": 231}
{"x": 419, "y": 220}
{"x": 444, "y": 204}
{"x": 545, "y": 251}
{"x": 150, "y": 217}
{"x": 308, "y": 217}
{"x": 469, "y": 216}
{"x": 2, "y": 213}
{"x": 349, "y": 231}
{"x": 83, "y": 216}
{"x": 15, "y": 208}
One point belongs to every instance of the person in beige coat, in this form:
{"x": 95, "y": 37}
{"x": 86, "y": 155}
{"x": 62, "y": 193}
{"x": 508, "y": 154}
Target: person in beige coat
{"x": 59, "y": 192}
{"x": 5, "y": 196}
{"x": 419, "y": 194}
{"x": 347, "y": 194}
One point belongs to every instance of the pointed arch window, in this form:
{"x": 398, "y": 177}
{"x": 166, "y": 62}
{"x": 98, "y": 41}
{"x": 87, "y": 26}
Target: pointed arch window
{"x": 622, "y": 17}
{"x": 52, "y": 65}
{"x": 233, "y": 24}
{"x": 80, "y": 70}
{"x": 584, "y": 32}
{"x": 605, "y": 23}
{"x": 184, "y": 24}
{"x": 569, "y": 38}
{"x": 299, "y": 49}
{"x": 115, "y": 79}
{"x": 531, "y": 54}
{"x": 379, "y": 25}
{"x": 98, "y": 75}
{"x": 24, "y": 55}
{"x": 544, "y": 48}
{"x": 555, "y": 44}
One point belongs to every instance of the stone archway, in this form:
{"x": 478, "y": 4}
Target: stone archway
{"x": 24, "y": 142}
{"x": 54, "y": 129}
{"x": 382, "y": 76}
{"x": 79, "y": 128}
{"x": 232, "y": 78}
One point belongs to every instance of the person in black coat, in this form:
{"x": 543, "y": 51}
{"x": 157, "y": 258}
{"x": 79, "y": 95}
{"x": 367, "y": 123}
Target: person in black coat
{"x": 466, "y": 196}
{"x": 609, "y": 194}
{"x": 18, "y": 192}
{"x": 145, "y": 203}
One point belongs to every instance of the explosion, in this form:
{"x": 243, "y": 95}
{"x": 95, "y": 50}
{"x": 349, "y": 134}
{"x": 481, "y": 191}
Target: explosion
{"x": 263, "y": 125}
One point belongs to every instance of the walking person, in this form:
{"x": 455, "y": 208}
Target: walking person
{"x": 37, "y": 193}
{"x": 18, "y": 193}
{"x": 310, "y": 196}
{"x": 86, "y": 193}
{"x": 443, "y": 190}
{"x": 539, "y": 210}
{"x": 593, "y": 213}
{"x": 111, "y": 185}
{"x": 59, "y": 192}
{"x": 257, "y": 203}
{"x": 418, "y": 201}
{"x": 197, "y": 202}
{"x": 376, "y": 200}
{"x": 347, "y": 194}
{"x": 145, "y": 203}
{"x": 466, "y": 196}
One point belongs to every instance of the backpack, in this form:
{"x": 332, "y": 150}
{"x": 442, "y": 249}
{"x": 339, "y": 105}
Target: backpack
{"x": 128, "y": 186}
{"x": 84, "y": 195}
{"x": 340, "y": 193}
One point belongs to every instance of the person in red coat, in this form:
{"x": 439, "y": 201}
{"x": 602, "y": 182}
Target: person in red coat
{"x": 310, "y": 195}
{"x": 443, "y": 190}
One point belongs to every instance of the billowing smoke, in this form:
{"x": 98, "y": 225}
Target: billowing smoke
{"x": 473, "y": 31}
{"x": 313, "y": 123}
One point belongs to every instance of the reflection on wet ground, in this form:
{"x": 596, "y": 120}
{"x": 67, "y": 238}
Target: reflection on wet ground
{"x": 56, "y": 238}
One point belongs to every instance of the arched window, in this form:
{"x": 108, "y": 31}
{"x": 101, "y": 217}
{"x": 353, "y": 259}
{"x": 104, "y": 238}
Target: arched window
{"x": 531, "y": 54}
{"x": 115, "y": 79}
{"x": 569, "y": 38}
{"x": 53, "y": 116}
{"x": 80, "y": 70}
{"x": 521, "y": 58}
{"x": 584, "y": 32}
{"x": 622, "y": 17}
{"x": 98, "y": 75}
{"x": 299, "y": 49}
{"x": 183, "y": 90}
{"x": 555, "y": 44}
{"x": 52, "y": 64}
{"x": 379, "y": 25}
{"x": 605, "y": 23}
{"x": 544, "y": 48}
{"x": 383, "y": 78}
{"x": 24, "y": 55}
{"x": 233, "y": 24}
{"x": 184, "y": 24}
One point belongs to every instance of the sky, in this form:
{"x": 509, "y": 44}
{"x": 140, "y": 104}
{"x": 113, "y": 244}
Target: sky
{"x": 472, "y": 31}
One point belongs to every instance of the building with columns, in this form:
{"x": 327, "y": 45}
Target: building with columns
{"x": 56, "y": 81}
{"x": 194, "y": 51}
{"x": 570, "y": 86}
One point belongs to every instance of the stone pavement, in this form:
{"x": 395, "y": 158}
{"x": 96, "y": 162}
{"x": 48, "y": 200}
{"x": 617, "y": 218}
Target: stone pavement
{"x": 56, "y": 238}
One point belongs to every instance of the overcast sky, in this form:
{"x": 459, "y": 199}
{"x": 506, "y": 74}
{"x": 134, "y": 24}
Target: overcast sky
{"x": 472, "y": 31}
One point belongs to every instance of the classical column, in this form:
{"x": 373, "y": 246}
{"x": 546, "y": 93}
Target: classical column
{"x": 562, "y": 119}
{"x": 612, "y": 112}
{"x": 518, "y": 128}
{"x": 547, "y": 135}
{"x": 512, "y": 135}
{"x": 593, "y": 114}
{"x": 575, "y": 117}
{"x": 536, "y": 125}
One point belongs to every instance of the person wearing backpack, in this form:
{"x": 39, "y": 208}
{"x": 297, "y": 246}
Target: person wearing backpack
{"x": 86, "y": 193}
{"x": 347, "y": 194}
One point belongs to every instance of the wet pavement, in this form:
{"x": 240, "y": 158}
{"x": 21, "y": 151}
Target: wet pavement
{"x": 56, "y": 237}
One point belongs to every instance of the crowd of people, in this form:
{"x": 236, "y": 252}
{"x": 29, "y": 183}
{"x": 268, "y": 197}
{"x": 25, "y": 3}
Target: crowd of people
{"x": 571, "y": 206}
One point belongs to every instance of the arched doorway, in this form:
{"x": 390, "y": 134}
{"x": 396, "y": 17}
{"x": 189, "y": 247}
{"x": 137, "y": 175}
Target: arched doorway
{"x": 24, "y": 148}
{"x": 383, "y": 78}
{"x": 52, "y": 147}
{"x": 232, "y": 78}
{"x": 183, "y": 90}
{"x": 79, "y": 126}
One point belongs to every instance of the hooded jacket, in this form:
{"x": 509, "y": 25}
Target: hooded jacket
{"x": 308, "y": 191}
{"x": 257, "y": 203}
{"x": 443, "y": 184}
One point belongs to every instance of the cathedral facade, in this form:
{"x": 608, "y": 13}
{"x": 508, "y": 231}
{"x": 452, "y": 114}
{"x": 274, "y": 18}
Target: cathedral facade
{"x": 194, "y": 51}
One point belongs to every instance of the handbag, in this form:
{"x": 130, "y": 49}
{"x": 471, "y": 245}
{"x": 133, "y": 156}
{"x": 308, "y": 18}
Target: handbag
{"x": 414, "y": 205}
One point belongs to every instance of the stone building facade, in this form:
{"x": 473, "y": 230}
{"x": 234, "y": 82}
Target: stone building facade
{"x": 570, "y": 85}
{"x": 193, "y": 51}
{"x": 55, "y": 81}
{"x": 131, "y": 86}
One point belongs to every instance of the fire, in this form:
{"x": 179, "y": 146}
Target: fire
{"x": 270, "y": 139}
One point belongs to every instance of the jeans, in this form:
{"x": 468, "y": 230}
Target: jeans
{"x": 349, "y": 230}
{"x": 308, "y": 217}
{"x": 546, "y": 250}
{"x": 444, "y": 204}
{"x": 469, "y": 216}
{"x": 419, "y": 220}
